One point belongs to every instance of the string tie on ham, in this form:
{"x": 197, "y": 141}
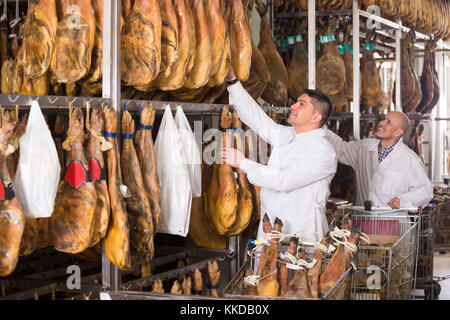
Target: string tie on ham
{"x": 105, "y": 145}
{"x": 253, "y": 280}
{"x": 295, "y": 263}
{"x": 337, "y": 234}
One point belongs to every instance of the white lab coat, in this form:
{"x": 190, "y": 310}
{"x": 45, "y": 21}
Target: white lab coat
{"x": 401, "y": 174}
{"x": 295, "y": 182}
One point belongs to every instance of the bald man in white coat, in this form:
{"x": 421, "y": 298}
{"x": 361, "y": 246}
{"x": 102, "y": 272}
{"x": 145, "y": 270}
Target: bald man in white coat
{"x": 387, "y": 171}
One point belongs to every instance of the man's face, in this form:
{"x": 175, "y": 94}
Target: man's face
{"x": 302, "y": 112}
{"x": 388, "y": 128}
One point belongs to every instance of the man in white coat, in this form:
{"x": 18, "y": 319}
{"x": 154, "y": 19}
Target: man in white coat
{"x": 388, "y": 173}
{"x": 295, "y": 182}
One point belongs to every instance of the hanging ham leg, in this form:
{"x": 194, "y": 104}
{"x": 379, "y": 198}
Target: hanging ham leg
{"x": 199, "y": 74}
{"x": 268, "y": 283}
{"x": 116, "y": 241}
{"x": 147, "y": 163}
{"x": 39, "y": 36}
{"x": 11, "y": 217}
{"x": 138, "y": 205}
{"x": 240, "y": 39}
{"x": 214, "y": 278}
{"x": 75, "y": 35}
{"x": 216, "y": 32}
{"x": 176, "y": 78}
{"x": 169, "y": 38}
{"x": 94, "y": 153}
{"x": 250, "y": 289}
{"x": 141, "y": 43}
{"x": 259, "y": 74}
{"x": 221, "y": 196}
{"x": 96, "y": 71}
{"x": 72, "y": 221}
{"x": 276, "y": 90}
{"x": 245, "y": 204}
{"x": 192, "y": 37}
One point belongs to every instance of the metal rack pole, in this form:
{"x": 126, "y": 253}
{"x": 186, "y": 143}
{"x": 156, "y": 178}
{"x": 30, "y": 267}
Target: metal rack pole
{"x": 312, "y": 44}
{"x": 356, "y": 74}
{"x": 111, "y": 90}
{"x": 398, "y": 65}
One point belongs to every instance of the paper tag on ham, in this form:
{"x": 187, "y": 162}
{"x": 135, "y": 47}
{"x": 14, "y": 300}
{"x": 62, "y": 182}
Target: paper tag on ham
{"x": 293, "y": 266}
{"x": 95, "y": 171}
{"x": 75, "y": 175}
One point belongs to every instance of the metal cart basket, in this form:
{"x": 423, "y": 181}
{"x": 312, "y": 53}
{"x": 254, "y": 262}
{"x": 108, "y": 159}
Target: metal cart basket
{"x": 340, "y": 291}
{"x": 385, "y": 267}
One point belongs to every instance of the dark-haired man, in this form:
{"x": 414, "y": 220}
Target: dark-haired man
{"x": 388, "y": 173}
{"x": 295, "y": 182}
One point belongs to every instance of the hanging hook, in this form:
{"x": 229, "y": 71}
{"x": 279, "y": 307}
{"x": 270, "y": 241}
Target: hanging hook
{"x": 5, "y": 11}
{"x": 17, "y": 19}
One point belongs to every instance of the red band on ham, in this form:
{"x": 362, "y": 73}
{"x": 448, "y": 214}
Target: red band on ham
{"x": 75, "y": 174}
{"x": 94, "y": 169}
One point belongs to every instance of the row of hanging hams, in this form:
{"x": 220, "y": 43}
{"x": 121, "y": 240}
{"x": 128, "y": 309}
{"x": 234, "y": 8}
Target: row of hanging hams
{"x": 61, "y": 48}
{"x": 91, "y": 203}
{"x": 188, "y": 48}
{"x": 425, "y": 16}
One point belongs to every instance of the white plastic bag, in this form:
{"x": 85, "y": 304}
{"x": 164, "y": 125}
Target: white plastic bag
{"x": 38, "y": 170}
{"x": 191, "y": 152}
{"x": 174, "y": 182}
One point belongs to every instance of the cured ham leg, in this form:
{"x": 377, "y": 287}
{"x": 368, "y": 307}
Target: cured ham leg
{"x": 197, "y": 282}
{"x": 176, "y": 289}
{"x": 72, "y": 221}
{"x": 169, "y": 38}
{"x": 94, "y": 153}
{"x": 298, "y": 67}
{"x": 200, "y": 230}
{"x": 283, "y": 273}
{"x": 11, "y": 216}
{"x": 250, "y": 289}
{"x": 259, "y": 74}
{"x": 240, "y": 39}
{"x": 314, "y": 272}
{"x": 141, "y": 43}
{"x": 192, "y": 37}
{"x": 338, "y": 264}
{"x": 268, "y": 283}
{"x": 186, "y": 286}
{"x": 75, "y": 35}
{"x": 96, "y": 71}
{"x": 214, "y": 278}
{"x": 216, "y": 31}
{"x": 147, "y": 163}
{"x": 138, "y": 205}
{"x": 267, "y": 228}
{"x": 245, "y": 204}
{"x": 176, "y": 78}
{"x": 221, "y": 196}
{"x": 298, "y": 286}
{"x": 116, "y": 241}
{"x": 199, "y": 74}
{"x": 276, "y": 91}
{"x": 158, "y": 286}
{"x": 39, "y": 36}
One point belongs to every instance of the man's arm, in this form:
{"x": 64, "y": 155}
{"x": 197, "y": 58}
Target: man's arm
{"x": 307, "y": 168}
{"x": 420, "y": 188}
{"x": 254, "y": 117}
{"x": 346, "y": 151}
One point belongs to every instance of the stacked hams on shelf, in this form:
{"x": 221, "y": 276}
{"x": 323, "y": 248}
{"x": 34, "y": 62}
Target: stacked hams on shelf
{"x": 314, "y": 274}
